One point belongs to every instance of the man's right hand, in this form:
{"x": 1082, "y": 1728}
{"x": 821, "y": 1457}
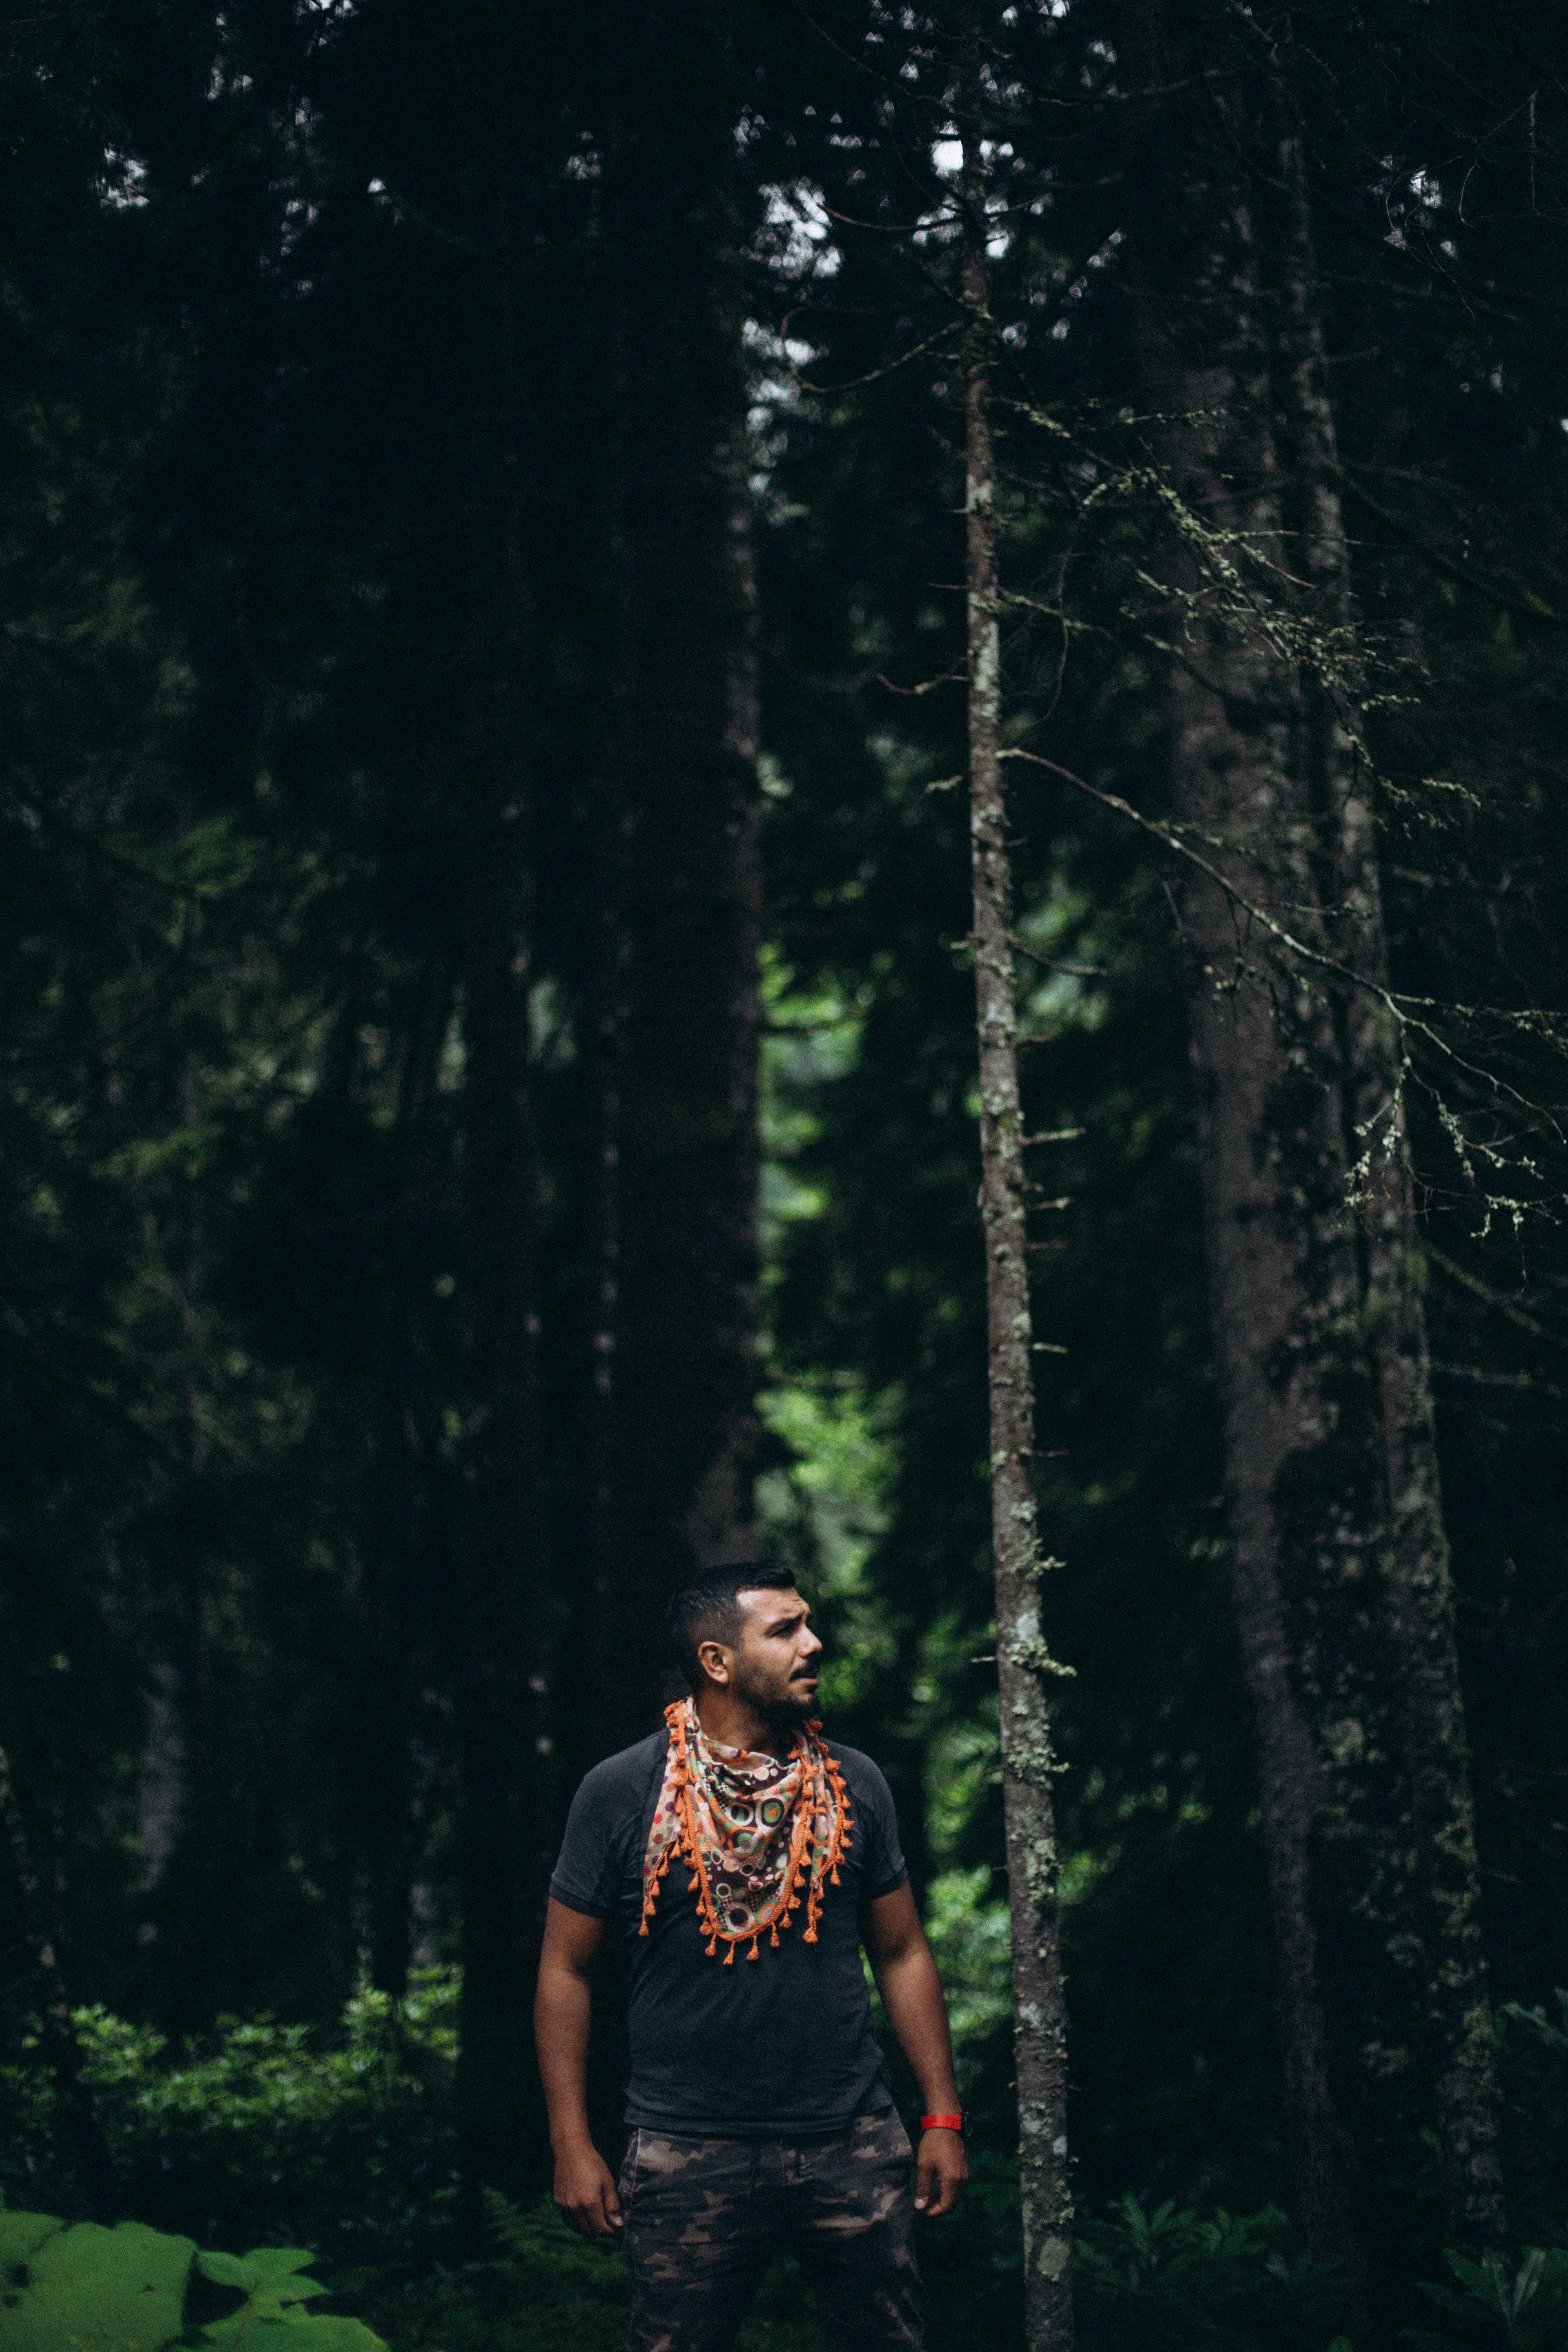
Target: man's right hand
{"x": 563, "y": 2006}
{"x": 585, "y": 2194}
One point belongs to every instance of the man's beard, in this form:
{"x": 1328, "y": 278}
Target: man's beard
{"x": 784, "y": 1705}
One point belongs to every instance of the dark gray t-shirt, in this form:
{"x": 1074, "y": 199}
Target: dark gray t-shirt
{"x": 776, "y": 2046}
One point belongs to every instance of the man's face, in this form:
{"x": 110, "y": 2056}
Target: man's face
{"x": 773, "y": 1661}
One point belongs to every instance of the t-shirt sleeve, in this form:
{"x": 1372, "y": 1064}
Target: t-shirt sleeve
{"x": 886, "y": 1868}
{"x": 587, "y": 1876}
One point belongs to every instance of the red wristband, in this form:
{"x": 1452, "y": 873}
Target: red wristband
{"x": 942, "y": 2123}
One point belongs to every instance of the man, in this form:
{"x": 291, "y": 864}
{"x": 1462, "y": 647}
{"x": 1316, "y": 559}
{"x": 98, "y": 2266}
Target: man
{"x": 746, "y": 1858}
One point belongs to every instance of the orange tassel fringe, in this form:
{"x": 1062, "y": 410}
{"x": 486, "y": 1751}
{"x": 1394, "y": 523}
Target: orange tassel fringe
{"x": 797, "y": 1874}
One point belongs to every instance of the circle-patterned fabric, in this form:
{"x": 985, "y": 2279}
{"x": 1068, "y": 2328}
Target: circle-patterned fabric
{"x": 760, "y": 1832}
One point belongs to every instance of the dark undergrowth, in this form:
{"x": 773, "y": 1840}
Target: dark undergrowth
{"x": 274, "y": 2135}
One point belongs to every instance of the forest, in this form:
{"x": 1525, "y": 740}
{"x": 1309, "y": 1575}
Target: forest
{"x": 786, "y": 780}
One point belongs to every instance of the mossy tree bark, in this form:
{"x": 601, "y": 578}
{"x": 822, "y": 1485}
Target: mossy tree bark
{"x": 1301, "y": 1469}
{"x": 1023, "y": 1661}
{"x": 1344, "y": 1600}
{"x": 1459, "y": 2053}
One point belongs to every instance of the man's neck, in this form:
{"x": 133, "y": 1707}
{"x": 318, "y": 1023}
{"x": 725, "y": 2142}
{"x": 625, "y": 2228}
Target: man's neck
{"x": 734, "y": 1722}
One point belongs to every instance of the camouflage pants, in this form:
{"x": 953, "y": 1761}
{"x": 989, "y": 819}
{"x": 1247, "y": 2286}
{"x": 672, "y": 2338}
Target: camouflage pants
{"x": 705, "y": 2216}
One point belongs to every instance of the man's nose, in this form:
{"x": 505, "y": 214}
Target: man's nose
{"x": 811, "y": 1643}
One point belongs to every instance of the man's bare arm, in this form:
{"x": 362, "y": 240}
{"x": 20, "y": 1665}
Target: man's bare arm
{"x": 563, "y": 2009}
{"x": 911, "y": 1994}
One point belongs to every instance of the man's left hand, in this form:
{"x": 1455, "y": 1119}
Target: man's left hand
{"x": 941, "y": 2167}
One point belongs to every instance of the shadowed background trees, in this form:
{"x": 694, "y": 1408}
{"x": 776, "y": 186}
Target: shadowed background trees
{"x": 490, "y": 1101}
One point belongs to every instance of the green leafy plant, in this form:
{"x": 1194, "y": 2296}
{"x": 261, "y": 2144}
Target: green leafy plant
{"x": 1523, "y": 2306}
{"x": 1192, "y": 2282}
{"x": 342, "y": 2138}
{"x": 75, "y": 2286}
{"x": 547, "y": 2290}
{"x": 1532, "y": 2053}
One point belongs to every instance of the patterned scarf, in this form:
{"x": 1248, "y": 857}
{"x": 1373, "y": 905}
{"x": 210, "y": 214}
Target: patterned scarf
{"x": 758, "y": 1830}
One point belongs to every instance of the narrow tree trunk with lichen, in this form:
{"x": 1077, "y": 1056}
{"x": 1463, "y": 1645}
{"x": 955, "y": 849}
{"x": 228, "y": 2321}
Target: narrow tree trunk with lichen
{"x": 1422, "y": 1650}
{"x": 1023, "y": 1662}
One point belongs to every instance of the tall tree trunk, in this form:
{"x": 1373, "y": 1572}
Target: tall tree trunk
{"x": 1023, "y": 1661}
{"x": 506, "y": 1836}
{"x": 1422, "y": 1651}
{"x": 600, "y": 1712}
{"x": 384, "y": 1625}
{"x": 160, "y": 1791}
{"x": 510, "y": 1816}
{"x": 84, "y": 2133}
{"x": 1302, "y": 1472}
{"x": 379, "y": 1769}
{"x": 689, "y": 1147}
{"x": 607, "y": 1023}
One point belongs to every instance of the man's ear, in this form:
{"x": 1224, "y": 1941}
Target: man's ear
{"x": 714, "y": 1660}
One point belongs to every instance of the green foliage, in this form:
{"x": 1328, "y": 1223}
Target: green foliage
{"x": 972, "y": 2262}
{"x": 547, "y": 2290}
{"x": 1174, "y": 2280}
{"x": 345, "y": 2139}
{"x": 122, "y": 2290}
{"x": 1532, "y": 2049}
{"x": 1145, "y": 2282}
{"x": 77, "y": 2287}
{"x": 1522, "y": 2305}
{"x": 969, "y": 1937}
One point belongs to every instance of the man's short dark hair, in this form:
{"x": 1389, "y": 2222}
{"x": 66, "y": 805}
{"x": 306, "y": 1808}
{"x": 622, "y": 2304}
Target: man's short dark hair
{"x": 707, "y": 1608}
